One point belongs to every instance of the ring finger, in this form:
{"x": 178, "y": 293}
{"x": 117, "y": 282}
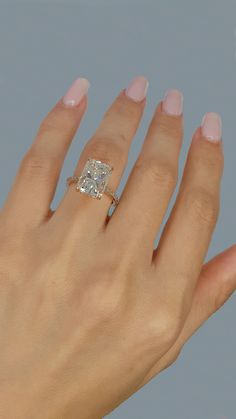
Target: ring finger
{"x": 110, "y": 145}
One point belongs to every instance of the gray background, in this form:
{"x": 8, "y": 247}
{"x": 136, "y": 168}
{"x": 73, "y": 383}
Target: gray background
{"x": 189, "y": 45}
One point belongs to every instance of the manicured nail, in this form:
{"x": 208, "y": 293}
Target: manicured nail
{"x": 137, "y": 89}
{"x": 76, "y": 92}
{"x": 173, "y": 103}
{"x": 212, "y": 127}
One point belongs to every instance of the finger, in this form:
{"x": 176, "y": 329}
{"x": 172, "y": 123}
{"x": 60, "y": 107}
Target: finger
{"x": 185, "y": 240}
{"x": 110, "y": 144}
{"x": 216, "y": 284}
{"x": 32, "y": 192}
{"x": 152, "y": 181}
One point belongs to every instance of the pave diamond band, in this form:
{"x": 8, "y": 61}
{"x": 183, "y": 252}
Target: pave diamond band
{"x": 93, "y": 180}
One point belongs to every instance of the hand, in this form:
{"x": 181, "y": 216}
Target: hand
{"x": 89, "y": 311}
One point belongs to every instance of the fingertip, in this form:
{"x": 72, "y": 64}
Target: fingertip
{"x": 172, "y": 103}
{"x": 137, "y": 89}
{"x": 211, "y": 127}
{"x": 76, "y": 93}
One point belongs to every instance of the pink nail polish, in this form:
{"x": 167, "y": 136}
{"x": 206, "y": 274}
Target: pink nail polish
{"x": 137, "y": 89}
{"x": 212, "y": 127}
{"x": 76, "y": 92}
{"x": 173, "y": 103}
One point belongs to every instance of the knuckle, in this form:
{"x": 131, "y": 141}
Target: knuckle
{"x": 213, "y": 161}
{"x": 223, "y": 294}
{"x": 58, "y": 121}
{"x": 122, "y": 109}
{"x": 163, "y": 330}
{"x": 118, "y": 137}
{"x": 105, "y": 291}
{"x": 161, "y": 173}
{"x": 219, "y": 160}
{"x": 35, "y": 162}
{"x": 170, "y": 128}
{"x": 176, "y": 355}
{"x": 50, "y": 124}
{"x": 122, "y": 138}
{"x": 107, "y": 301}
{"x": 106, "y": 149}
{"x": 203, "y": 205}
{"x": 172, "y": 358}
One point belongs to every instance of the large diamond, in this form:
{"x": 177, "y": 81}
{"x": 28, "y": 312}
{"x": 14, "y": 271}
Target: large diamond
{"x": 94, "y": 178}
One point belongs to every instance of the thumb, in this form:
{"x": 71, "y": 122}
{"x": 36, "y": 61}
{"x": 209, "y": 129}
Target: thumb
{"x": 216, "y": 283}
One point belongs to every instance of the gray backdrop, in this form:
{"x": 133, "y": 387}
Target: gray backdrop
{"x": 189, "y": 45}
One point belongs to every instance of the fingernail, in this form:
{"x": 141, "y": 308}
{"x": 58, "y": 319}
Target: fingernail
{"x": 212, "y": 127}
{"x": 173, "y": 102}
{"x": 137, "y": 89}
{"x": 76, "y": 92}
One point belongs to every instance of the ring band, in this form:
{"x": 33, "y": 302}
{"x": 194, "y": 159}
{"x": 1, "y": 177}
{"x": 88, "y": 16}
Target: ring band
{"x": 93, "y": 180}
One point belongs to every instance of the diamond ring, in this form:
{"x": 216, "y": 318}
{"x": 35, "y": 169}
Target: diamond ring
{"x": 93, "y": 180}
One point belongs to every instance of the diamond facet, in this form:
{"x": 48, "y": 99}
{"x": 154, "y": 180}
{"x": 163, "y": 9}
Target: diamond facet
{"x": 94, "y": 178}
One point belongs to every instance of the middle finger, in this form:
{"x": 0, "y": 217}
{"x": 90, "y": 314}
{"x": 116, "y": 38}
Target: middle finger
{"x": 152, "y": 181}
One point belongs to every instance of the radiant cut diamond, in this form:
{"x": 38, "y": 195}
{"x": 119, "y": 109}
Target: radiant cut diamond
{"x": 94, "y": 178}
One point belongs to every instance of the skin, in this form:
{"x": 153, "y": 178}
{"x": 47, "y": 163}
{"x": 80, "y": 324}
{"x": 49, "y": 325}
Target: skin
{"x": 86, "y": 301}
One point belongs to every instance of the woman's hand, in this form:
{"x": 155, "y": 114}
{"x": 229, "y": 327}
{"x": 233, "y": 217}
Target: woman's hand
{"x": 89, "y": 311}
